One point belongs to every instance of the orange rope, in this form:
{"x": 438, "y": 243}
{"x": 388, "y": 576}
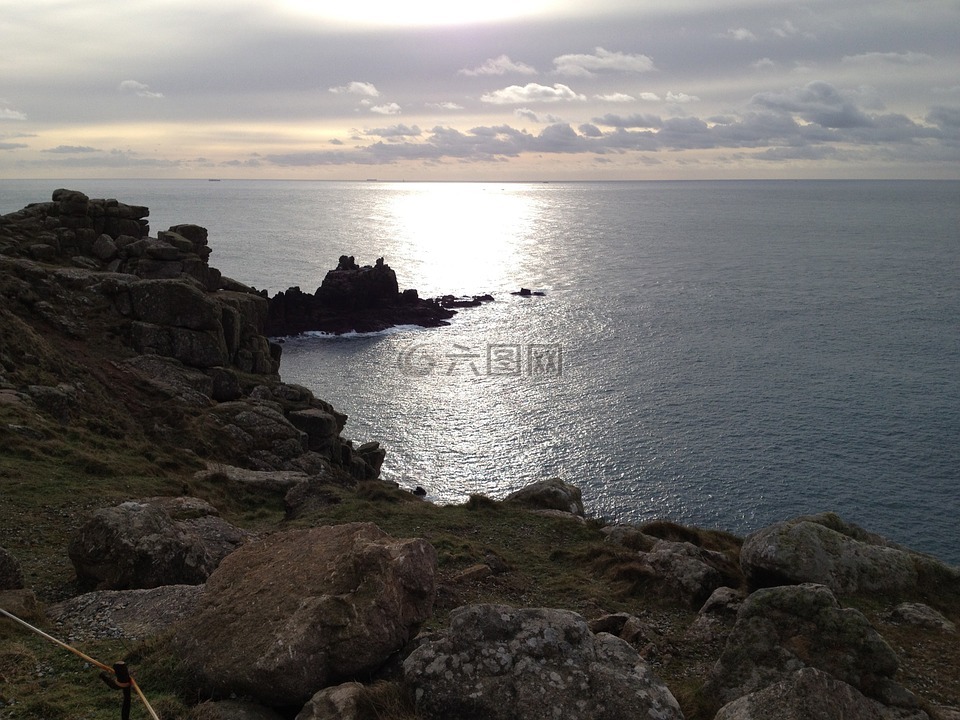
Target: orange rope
{"x": 82, "y": 655}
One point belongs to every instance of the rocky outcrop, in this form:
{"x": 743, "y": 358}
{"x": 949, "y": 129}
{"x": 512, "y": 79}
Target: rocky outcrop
{"x": 846, "y": 558}
{"x": 164, "y": 296}
{"x": 783, "y": 629}
{"x": 499, "y": 663}
{"x": 286, "y": 616}
{"x": 810, "y": 693}
{"x": 152, "y": 542}
{"x": 172, "y": 328}
{"x": 923, "y": 616}
{"x": 552, "y": 494}
{"x": 352, "y": 299}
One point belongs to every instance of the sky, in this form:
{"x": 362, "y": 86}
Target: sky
{"x": 480, "y": 89}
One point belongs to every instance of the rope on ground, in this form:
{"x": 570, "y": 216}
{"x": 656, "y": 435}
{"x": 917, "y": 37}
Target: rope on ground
{"x": 84, "y": 656}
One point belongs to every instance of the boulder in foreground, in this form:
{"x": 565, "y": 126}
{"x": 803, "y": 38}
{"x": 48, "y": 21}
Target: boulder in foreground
{"x": 298, "y": 611}
{"x": 502, "y": 663}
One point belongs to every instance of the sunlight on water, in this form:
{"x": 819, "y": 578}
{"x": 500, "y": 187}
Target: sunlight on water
{"x": 464, "y": 237}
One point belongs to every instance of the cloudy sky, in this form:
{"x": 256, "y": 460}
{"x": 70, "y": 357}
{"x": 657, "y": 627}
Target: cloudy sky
{"x": 493, "y": 89}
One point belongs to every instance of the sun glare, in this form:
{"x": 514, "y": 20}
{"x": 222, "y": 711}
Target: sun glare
{"x": 462, "y": 234}
{"x": 418, "y": 12}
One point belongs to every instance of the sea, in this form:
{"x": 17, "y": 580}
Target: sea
{"x": 726, "y": 354}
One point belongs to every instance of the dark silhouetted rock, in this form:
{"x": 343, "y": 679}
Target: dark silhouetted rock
{"x": 352, "y": 299}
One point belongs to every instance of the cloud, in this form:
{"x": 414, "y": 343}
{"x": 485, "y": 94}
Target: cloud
{"x": 615, "y": 98}
{"x": 12, "y": 146}
{"x": 740, "y": 34}
{"x": 629, "y": 121}
{"x": 356, "y": 88}
{"x": 8, "y": 114}
{"x": 445, "y": 106}
{"x": 649, "y": 97}
{"x": 532, "y": 92}
{"x": 818, "y": 102}
{"x": 888, "y": 58}
{"x": 681, "y": 98}
{"x": 947, "y": 118}
{"x": 395, "y": 131}
{"x": 387, "y": 109}
{"x": 529, "y": 114}
{"x": 590, "y": 130}
{"x": 70, "y": 149}
{"x": 788, "y": 29}
{"x": 499, "y": 66}
{"x": 132, "y": 87}
{"x": 763, "y": 64}
{"x": 582, "y": 65}
{"x": 770, "y": 128}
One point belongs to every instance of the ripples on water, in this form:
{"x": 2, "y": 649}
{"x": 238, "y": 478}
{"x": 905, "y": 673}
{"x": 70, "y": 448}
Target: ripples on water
{"x": 732, "y": 353}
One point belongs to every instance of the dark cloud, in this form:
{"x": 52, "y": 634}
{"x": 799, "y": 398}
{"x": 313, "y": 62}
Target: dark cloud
{"x": 71, "y": 149}
{"x": 817, "y": 102}
{"x": 629, "y": 121}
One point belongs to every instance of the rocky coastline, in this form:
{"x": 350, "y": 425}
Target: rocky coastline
{"x": 169, "y": 498}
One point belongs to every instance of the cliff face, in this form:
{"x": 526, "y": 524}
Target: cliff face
{"x": 81, "y": 278}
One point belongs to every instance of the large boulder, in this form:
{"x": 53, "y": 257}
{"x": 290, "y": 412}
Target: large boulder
{"x": 783, "y": 629}
{"x": 552, "y": 494}
{"x": 810, "y": 693}
{"x": 826, "y": 550}
{"x": 501, "y": 663}
{"x": 291, "y": 614}
{"x": 151, "y": 542}
{"x": 684, "y": 571}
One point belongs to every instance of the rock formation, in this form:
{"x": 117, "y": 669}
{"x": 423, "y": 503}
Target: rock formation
{"x": 165, "y": 322}
{"x": 352, "y": 299}
{"x": 499, "y": 663}
{"x": 846, "y": 558}
{"x": 153, "y": 542}
{"x": 284, "y": 617}
{"x": 780, "y": 630}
